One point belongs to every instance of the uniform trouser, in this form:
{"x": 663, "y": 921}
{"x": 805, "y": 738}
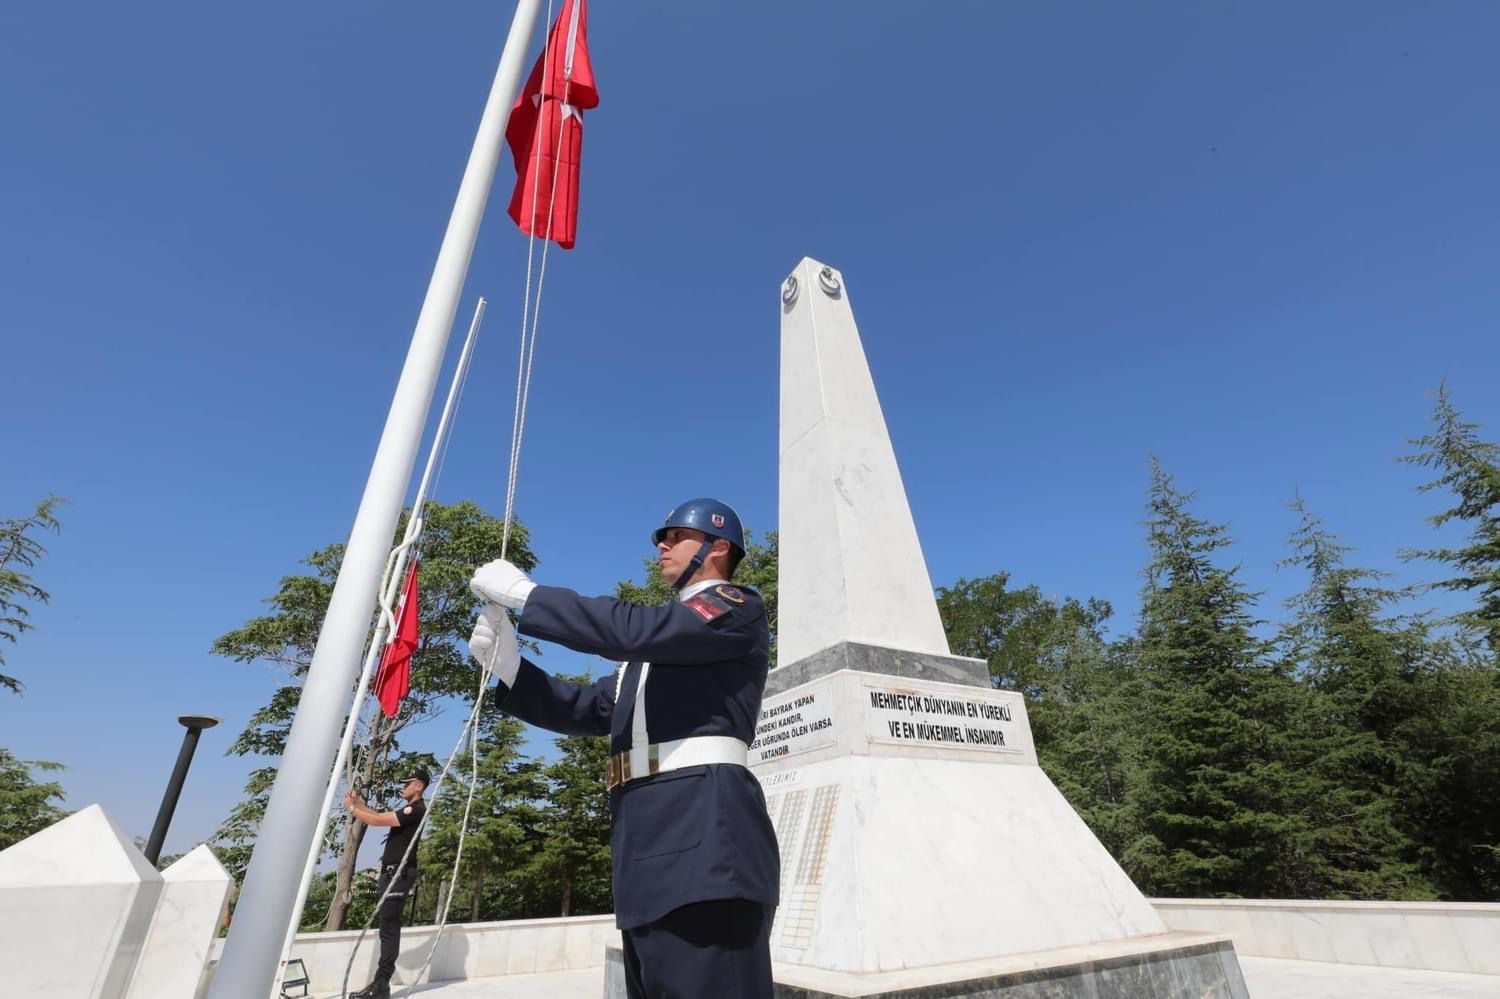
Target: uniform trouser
{"x": 391, "y": 911}
{"x": 718, "y": 949}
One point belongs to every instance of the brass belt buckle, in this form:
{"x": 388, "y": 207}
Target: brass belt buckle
{"x": 619, "y": 770}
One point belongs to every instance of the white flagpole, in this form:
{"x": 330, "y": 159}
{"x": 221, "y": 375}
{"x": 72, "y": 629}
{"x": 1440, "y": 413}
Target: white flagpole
{"x": 414, "y": 526}
{"x": 250, "y": 959}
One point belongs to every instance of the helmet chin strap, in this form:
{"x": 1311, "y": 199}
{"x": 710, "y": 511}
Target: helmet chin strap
{"x": 694, "y": 565}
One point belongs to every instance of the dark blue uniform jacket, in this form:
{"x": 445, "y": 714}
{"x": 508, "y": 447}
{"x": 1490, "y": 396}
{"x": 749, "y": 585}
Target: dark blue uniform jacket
{"x": 689, "y": 835}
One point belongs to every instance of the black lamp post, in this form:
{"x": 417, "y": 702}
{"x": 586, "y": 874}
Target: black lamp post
{"x": 195, "y": 724}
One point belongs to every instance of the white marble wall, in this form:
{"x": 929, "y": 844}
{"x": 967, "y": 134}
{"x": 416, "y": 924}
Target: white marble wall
{"x": 1436, "y": 936}
{"x": 891, "y": 863}
{"x": 851, "y": 565}
{"x": 183, "y": 929}
{"x": 76, "y": 901}
{"x": 467, "y": 950}
{"x": 1439, "y": 936}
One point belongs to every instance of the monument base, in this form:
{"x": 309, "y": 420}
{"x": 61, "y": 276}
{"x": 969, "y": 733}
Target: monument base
{"x": 1171, "y": 964}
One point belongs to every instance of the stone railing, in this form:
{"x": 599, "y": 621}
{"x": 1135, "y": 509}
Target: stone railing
{"x": 466, "y": 950}
{"x": 1434, "y": 936}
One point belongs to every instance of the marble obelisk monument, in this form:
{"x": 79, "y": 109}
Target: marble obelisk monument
{"x": 922, "y": 846}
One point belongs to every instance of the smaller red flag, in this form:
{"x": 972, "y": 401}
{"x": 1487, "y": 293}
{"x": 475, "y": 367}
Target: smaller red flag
{"x": 545, "y": 131}
{"x": 393, "y": 679}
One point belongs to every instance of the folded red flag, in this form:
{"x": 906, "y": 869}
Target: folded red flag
{"x": 545, "y": 131}
{"x": 393, "y": 679}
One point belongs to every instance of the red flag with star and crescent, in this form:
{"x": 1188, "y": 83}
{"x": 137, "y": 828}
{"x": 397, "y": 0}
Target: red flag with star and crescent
{"x": 393, "y": 680}
{"x": 545, "y": 131}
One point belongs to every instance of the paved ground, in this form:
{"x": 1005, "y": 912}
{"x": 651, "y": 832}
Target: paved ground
{"x": 1273, "y": 978}
{"x": 549, "y": 985}
{"x": 1267, "y": 977}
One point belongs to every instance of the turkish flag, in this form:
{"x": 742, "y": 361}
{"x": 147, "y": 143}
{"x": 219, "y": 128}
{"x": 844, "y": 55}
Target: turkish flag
{"x": 545, "y": 131}
{"x": 393, "y": 679}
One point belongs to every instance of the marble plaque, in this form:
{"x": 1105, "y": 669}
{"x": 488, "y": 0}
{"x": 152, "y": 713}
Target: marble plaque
{"x": 953, "y": 718}
{"x": 853, "y": 712}
{"x": 796, "y": 722}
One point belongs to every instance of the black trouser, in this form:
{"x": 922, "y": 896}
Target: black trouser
{"x": 720, "y": 949}
{"x": 390, "y": 915}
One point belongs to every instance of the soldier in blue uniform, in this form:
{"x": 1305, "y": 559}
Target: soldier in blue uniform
{"x": 696, "y": 866}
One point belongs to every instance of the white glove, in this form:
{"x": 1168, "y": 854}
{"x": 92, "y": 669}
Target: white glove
{"x": 493, "y": 644}
{"x": 501, "y": 583}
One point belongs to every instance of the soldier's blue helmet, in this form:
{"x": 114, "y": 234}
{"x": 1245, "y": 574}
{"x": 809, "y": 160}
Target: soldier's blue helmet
{"x": 713, "y": 518}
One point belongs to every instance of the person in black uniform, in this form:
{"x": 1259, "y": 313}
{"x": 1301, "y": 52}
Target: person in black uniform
{"x": 696, "y": 865}
{"x": 402, "y": 825}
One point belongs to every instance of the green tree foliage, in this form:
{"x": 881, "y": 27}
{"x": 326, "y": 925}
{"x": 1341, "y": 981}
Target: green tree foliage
{"x": 502, "y": 837}
{"x": 19, "y": 553}
{"x": 1088, "y": 735}
{"x": 1025, "y": 637}
{"x": 234, "y": 840}
{"x": 1217, "y": 800}
{"x": 456, "y": 538}
{"x": 1469, "y": 469}
{"x": 538, "y": 836}
{"x": 1344, "y": 759}
{"x": 30, "y": 803}
{"x": 1451, "y": 744}
{"x": 573, "y": 866}
{"x": 1350, "y": 751}
{"x": 1364, "y": 674}
{"x": 1450, "y": 769}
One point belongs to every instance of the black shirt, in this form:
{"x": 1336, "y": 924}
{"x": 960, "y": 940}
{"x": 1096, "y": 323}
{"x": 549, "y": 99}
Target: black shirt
{"x": 408, "y": 817}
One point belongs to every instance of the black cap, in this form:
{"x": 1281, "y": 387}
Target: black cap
{"x": 418, "y": 774}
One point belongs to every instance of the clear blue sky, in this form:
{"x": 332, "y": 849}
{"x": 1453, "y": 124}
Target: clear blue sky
{"x": 1248, "y": 238}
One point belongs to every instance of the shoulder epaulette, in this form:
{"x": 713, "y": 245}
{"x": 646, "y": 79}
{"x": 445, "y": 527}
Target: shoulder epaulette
{"x": 734, "y": 594}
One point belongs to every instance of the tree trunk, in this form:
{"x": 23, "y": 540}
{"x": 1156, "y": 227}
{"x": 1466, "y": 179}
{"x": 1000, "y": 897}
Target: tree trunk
{"x": 343, "y": 894}
{"x": 567, "y": 905}
{"x": 478, "y": 893}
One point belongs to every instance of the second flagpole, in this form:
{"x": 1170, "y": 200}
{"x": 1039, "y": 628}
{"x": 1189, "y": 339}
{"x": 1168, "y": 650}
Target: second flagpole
{"x": 252, "y": 951}
{"x": 394, "y": 579}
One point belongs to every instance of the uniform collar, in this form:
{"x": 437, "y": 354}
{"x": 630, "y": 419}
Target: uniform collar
{"x": 690, "y": 591}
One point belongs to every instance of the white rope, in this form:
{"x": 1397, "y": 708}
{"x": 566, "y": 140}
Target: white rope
{"x": 463, "y": 829}
{"x": 528, "y": 343}
{"x": 523, "y": 371}
{"x": 406, "y": 856}
{"x": 524, "y": 368}
{"x": 469, "y": 730}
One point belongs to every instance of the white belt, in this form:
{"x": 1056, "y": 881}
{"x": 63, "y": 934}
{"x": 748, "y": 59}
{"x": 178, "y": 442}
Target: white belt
{"x": 700, "y": 750}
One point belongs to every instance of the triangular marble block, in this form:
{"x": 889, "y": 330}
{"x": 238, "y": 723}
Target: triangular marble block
{"x": 183, "y": 929}
{"x": 75, "y": 905}
{"x": 916, "y": 829}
